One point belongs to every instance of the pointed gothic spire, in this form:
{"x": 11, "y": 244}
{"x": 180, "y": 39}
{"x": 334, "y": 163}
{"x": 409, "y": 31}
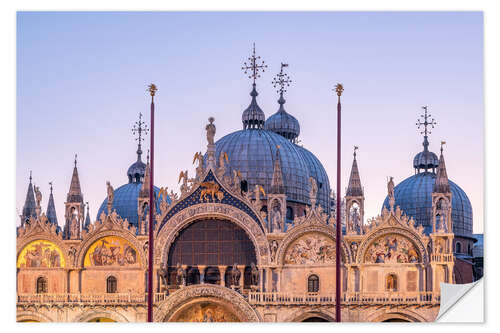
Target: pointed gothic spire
{"x": 277, "y": 186}
{"x": 75, "y": 191}
{"x": 354, "y": 188}
{"x": 51, "y": 208}
{"x": 144, "y": 193}
{"x": 442, "y": 184}
{"x": 29, "y": 208}
{"x": 87, "y": 218}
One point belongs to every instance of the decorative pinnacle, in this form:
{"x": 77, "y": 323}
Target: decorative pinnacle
{"x": 152, "y": 89}
{"x": 427, "y": 122}
{"x": 30, "y": 177}
{"x": 75, "y": 160}
{"x": 355, "y": 148}
{"x": 139, "y": 128}
{"x": 252, "y": 68}
{"x": 87, "y": 204}
{"x": 282, "y": 80}
{"x": 50, "y": 183}
{"x": 339, "y": 88}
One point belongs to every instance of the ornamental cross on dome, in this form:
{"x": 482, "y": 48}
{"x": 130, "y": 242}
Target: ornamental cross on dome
{"x": 252, "y": 68}
{"x": 428, "y": 121}
{"x": 282, "y": 80}
{"x": 139, "y": 128}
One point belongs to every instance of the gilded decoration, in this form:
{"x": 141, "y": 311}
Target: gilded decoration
{"x": 111, "y": 251}
{"x": 207, "y": 312}
{"x": 392, "y": 248}
{"x": 41, "y": 253}
{"x": 311, "y": 249}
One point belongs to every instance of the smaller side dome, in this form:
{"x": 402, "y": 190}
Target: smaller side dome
{"x": 283, "y": 124}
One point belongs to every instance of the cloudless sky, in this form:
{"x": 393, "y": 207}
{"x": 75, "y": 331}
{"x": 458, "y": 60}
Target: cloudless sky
{"x": 82, "y": 77}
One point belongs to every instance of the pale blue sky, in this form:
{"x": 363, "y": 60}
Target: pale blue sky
{"x": 82, "y": 79}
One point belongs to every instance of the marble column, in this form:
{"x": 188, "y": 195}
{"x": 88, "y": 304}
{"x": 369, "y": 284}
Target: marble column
{"x": 201, "y": 269}
{"x": 241, "y": 268}
{"x": 222, "y": 272}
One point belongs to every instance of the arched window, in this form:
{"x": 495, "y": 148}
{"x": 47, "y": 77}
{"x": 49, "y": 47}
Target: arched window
{"x": 289, "y": 213}
{"x": 458, "y": 247}
{"x": 313, "y": 283}
{"x": 111, "y": 285}
{"x": 391, "y": 282}
{"x": 41, "y": 285}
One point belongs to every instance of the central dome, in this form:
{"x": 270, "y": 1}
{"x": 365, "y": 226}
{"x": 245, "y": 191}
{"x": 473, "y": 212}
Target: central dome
{"x": 251, "y": 151}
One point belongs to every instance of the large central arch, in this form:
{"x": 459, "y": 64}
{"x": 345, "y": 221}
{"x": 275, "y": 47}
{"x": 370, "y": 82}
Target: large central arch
{"x": 187, "y": 216}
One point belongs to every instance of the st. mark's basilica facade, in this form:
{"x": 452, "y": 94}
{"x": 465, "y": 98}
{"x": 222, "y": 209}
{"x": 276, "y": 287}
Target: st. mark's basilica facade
{"x": 249, "y": 238}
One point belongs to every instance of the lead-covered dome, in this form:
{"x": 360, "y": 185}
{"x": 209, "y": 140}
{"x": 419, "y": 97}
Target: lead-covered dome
{"x": 252, "y": 151}
{"x": 414, "y": 196}
{"x": 125, "y": 202}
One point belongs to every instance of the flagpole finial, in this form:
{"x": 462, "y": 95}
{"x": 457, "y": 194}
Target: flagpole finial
{"x": 152, "y": 89}
{"x": 339, "y": 89}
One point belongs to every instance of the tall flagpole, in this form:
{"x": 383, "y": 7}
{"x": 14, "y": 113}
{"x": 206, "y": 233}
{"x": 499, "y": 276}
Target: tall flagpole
{"x": 152, "y": 90}
{"x": 338, "y": 218}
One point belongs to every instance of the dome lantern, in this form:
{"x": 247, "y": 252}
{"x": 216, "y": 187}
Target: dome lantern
{"x": 426, "y": 159}
{"x": 253, "y": 117}
{"x": 137, "y": 170}
{"x": 282, "y": 122}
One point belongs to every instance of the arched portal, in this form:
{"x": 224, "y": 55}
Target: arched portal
{"x": 206, "y": 245}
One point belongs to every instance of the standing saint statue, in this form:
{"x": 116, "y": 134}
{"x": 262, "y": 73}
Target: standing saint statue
{"x": 163, "y": 273}
{"x": 390, "y": 187}
{"x": 210, "y": 128}
{"x": 38, "y": 196}
{"x": 111, "y": 193}
{"x": 276, "y": 219}
{"x": 255, "y": 274}
{"x": 313, "y": 192}
{"x": 181, "y": 275}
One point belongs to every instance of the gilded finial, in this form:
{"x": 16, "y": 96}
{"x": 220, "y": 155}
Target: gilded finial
{"x": 253, "y": 67}
{"x": 152, "y": 89}
{"x": 442, "y": 144}
{"x": 50, "y": 183}
{"x": 30, "y": 177}
{"x": 355, "y": 148}
{"x": 75, "y": 159}
{"x": 339, "y": 88}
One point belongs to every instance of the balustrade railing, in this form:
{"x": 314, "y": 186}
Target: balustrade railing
{"x": 390, "y": 298}
{"x": 254, "y": 297}
{"x": 105, "y": 299}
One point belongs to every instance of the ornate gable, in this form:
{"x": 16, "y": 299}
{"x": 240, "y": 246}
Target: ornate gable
{"x": 211, "y": 190}
{"x": 397, "y": 235}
